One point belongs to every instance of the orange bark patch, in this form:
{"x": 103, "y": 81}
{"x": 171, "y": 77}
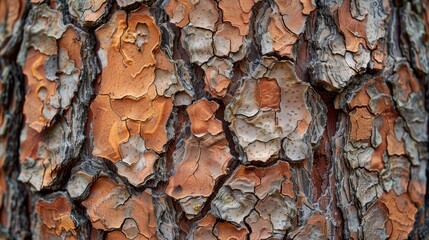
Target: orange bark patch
{"x": 204, "y": 230}
{"x": 204, "y": 162}
{"x": 108, "y": 129}
{"x": 116, "y": 235}
{"x": 383, "y": 121}
{"x": 130, "y": 113}
{"x": 227, "y": 231}
{"x": 216, "y": 84}
{"x": 37, "y": 108}
{"x": 386, "y": 125}
{"x": 227, "y": 39}
{"x": 361, "y": 99}
{"x": 205, "y": 15}
{"x": 267, "y": 94}
{"x": 262, "y": 181}
{"x": 127, "y": 47}
{"x": 292, "y": 14}
{"x": 308, "y": 6}
{"x": 281, "y": 38}
{"x": 153, "y": 130}
{"x": 238, "y": 13}
{"x": 133, "y": 109}
{"x": 202, "y": 115}
{"x": 30, "y": 144}
{"x": 261, "y": 228}
{"x": 56, "y": 217}
{"x": 70, "y": 41}
{"x": 51, "y": 80}
{"x": 179, "y": 10}
{"x": 361, "y": 124}
{"x": 378, "y": 57}
{"x": 401, "y": 214}
{"x": 406, "y": 82}
{"x": 417, "y": 191}
{"x": 108, "y": 206}
{"x": 354, "y": 30}
{"x": 314, "y": 228}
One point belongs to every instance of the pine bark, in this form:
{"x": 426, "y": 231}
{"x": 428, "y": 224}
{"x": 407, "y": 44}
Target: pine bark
{"x": 214, "y": 119}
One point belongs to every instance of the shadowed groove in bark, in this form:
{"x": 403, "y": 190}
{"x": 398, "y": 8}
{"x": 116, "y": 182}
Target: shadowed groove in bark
{"x": 16, "y": 202}
{"x": 18, "y": 197}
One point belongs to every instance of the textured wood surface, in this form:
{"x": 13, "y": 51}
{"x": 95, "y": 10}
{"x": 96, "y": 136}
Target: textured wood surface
{"x": 214, "y": 119}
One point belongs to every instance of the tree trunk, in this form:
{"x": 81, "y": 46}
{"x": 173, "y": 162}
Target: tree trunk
{"x": 204, "y": 119}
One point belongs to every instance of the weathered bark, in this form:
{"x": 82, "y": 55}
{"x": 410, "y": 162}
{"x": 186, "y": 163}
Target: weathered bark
{"x": 204, "y": 119}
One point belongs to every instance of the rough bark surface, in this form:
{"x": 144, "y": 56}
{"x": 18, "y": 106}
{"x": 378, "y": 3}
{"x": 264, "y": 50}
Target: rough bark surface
{"x": 214, "y": 119}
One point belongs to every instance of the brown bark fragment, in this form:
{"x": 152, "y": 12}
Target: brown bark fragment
{"x": 41, "y": 158}
{"x": 204, "y": 228}
{"x": 108, "y": 129}
{"x": 154, "y": 129}
{"x": 202, "y": 118}
{"x": 406, "y": 82}
{"x": 278, "y": 38}
{"x": 316, "y": 228}
{"x": 237, "y": 13}
{"x": 108, "y": 207}
{"x": 205, "y": 161}
{"x": 417, "y": 191}
{"x": 37, "y": 108}
{"x": 308, "y": 6}
{"x": 262, "y": 181}
{"x": 205, "y": 15}
{"x": 267, "y": 94}
{"x": 136, "y": 86}
{"x": 179, "y": 10}
{"x": 218, "y": 73}
{"x": 128, "y": 44}
{"x": 52, "y": 66}
{"x": 401, "y": 214}
{"x": 56, "y": 218}
{"x": 379, "y": 128}
{"x": 11, "y": 13}
{"x": 227, "y": 231}
{"x": 354, "y": 30}
{"x": 88, "y": 12}
{"x": 375, "y": 229}
{"x": 261, "y": 228}
{"x": 227, "y": 39}
{"x": 361, "y": 124}
{"x": 292, "y": 15}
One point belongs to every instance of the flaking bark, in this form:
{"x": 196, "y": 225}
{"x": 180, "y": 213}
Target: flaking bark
{"x": 214, "y": 119}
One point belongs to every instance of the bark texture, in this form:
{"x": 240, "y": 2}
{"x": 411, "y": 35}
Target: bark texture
{"x": 214, "y": 119}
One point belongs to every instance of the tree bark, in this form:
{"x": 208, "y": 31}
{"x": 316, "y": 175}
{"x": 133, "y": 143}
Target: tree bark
{"x": 204, "y": 119}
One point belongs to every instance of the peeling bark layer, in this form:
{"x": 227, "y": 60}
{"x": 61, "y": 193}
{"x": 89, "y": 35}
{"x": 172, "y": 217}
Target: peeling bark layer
{"x": 204, "y": 119}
